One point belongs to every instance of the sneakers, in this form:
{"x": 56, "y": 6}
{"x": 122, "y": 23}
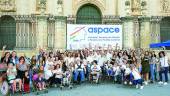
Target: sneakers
{"x": 141, "y": 87}
{"x": 130, "y": 83}
{"x": 165, "y": 83}
{"x": 146, "y": 83}
{"x": 137, "y": 86}
{"x": 125, "y": 83}
{"x": 160, "y": 82}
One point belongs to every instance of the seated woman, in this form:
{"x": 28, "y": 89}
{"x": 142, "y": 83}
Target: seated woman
{"x": 95, "y": 70}
{"x": 11, "y": 74}
{"x": 58, "y": 74}
{"x": 79, "y": 70}
{"x": 136, "y": 77}
{"x": 41, "y": 81}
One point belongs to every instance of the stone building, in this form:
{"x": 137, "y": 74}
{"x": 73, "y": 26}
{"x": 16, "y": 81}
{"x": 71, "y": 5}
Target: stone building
{"x": 30, "y": 24}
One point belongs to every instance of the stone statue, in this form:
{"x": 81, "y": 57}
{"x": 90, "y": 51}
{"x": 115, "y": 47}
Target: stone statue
{"x": 41, "y": 6}
{"x": 165, "y": 5}
{"x": 7, "y": 5}
{"x": 59, "y": 7}
{"x": 135, "y": 4}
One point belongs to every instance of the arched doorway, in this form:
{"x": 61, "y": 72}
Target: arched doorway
{"x": 89, "y": 14}
{"x": 7, "y": 32}
{"x": 165, "y": 29}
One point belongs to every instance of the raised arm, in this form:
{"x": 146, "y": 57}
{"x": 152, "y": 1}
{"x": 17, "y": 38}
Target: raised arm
{"x": 3, "y": 50}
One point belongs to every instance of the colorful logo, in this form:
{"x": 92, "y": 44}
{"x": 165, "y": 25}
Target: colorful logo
{"x": 79, "y": 34}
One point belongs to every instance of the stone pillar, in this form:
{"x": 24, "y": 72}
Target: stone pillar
{"x": 146, "y": 35}
{"x": 51, "y": 32}
{"x": 60, "y": 32}
{"x": 42, "y": 31}
{"x": 136, "y": 32}
{"x": 155, "y": 29}
{"x": 128, "y": 34}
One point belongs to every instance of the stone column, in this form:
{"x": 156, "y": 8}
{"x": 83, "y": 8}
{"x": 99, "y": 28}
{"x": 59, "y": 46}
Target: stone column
{"x": 128, "y": 34}
{"x": 136, "y": 32}
{"x": 155, "y": 29}
{"x": 42, "y": 31}
{"x": 60, "y": 32}
{"x": 146, "y": 35}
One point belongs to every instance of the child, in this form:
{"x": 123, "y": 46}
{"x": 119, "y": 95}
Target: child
{"x": 26, "y": 81}
{"x": 41, "y": 81}
{"x": 137, "y": 79}
{"x": 95, "y": 70}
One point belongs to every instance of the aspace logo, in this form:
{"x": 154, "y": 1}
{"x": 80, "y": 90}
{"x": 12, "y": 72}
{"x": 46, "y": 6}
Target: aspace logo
{"x": 78, "y": 34}
{"x": 99, "y": 30}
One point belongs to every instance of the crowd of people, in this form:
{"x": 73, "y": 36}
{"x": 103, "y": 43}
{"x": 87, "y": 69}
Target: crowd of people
{"x": 134, "y": 67}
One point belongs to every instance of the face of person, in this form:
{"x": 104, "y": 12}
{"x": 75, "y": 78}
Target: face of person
{"x": 58, "y": 66}
{"x": 120, "y": 54}
{"x": 51, "y": 55}
{"x": 34, "y": 57}
{"x": 161, "y": 54}
{"x": 22, "y": 60}
{"x": 13, "y": 54}
{"x": 7, "y": 55}
{"x": 10, "y": 66}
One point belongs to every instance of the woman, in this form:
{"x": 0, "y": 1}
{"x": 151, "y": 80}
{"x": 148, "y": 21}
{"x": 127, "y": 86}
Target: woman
{"x": 22, "y": 67}
{"x": 5, "y": 58}
{"x": 152, "y": 62}
{"x": 11, "y": 74}
{"x": 14, "y": 58}
{"x": 58, "y": 74}
{"x": 79, "y": 70}
{"x": 33, "y": 62}
{"x": 145, "y": 67}
{"x": 163, "y": 67}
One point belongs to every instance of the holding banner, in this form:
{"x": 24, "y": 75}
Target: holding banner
{"x": 90, "y": 36}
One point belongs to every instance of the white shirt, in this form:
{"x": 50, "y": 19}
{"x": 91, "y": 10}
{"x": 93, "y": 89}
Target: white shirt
{"x": 90, "y": 59}
{"x": 109, "y": 56}
{"x": 164, "y": 61}
{"x": 58, "y": 73}
{"x": 136, "y": 74}
{"x": 95, "y": 68}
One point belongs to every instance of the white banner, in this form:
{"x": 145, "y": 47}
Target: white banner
{"x": 93, "y": 36}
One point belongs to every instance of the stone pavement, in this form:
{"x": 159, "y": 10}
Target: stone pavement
{"x": 109, "y": 89}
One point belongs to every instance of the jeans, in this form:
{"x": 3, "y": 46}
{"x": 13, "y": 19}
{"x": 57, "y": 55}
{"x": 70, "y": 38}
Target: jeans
{"x": 81, "y": 73}
{"x": 110, "y": 72}
{"x": 152, "y": 71}
{"x": 165, "y": 72}
{"x": 139, "y": 81}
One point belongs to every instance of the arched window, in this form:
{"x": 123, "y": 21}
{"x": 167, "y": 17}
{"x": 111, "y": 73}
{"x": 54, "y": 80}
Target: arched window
{"x": 7, "y": 32}
{"x": 89, "y": 14}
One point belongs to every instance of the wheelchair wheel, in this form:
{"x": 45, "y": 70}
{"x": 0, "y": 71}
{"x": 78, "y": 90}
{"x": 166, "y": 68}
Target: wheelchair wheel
{"x": 4, "y": 88}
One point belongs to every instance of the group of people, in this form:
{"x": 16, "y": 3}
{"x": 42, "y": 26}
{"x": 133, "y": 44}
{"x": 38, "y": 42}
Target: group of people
{"x": 136, "y": 67}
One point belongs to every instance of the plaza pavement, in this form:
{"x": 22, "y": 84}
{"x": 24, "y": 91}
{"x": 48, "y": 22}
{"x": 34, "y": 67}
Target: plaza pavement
{"x": 108, "y": 89}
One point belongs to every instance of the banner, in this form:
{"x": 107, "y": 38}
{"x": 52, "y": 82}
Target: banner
{"x": 92, "y": 36}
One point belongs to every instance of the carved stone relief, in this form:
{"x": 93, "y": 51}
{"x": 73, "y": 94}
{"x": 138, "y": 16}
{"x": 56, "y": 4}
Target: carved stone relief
{"x": 7, "y": 5}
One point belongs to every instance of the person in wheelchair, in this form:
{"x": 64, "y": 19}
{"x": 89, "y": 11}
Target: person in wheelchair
{"x": 11, "y": 75}
{"x": 109, "y": 69}
{"x": 95, "y": 71}
{"x": 58, "y": 74}
{"x": 41, "y": 81}
{"x": 79, "y": 71}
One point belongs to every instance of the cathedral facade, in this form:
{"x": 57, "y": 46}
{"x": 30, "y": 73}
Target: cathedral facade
{"x": 30, "y": 24}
